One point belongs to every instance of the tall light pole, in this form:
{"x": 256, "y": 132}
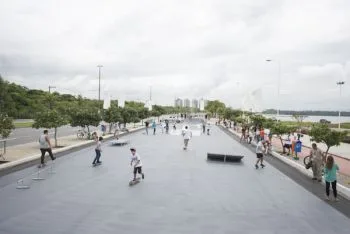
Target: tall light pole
{"x": 99, "y": 82}
{"x": 278, "y": 85}
{"x": 50, "y": 87}
{"x": 340, "y": 83}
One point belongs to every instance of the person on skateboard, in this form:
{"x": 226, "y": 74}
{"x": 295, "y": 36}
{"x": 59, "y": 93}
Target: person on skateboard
{"x": 136, "y": 163}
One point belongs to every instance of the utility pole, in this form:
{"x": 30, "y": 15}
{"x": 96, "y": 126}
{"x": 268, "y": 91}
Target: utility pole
{"x": 50, "y": 87}
{"x": 99, "y": 82}
{"x": 340, "y": 83}
{"x": 99, "y": 85}
{"x": 278, "y": 85}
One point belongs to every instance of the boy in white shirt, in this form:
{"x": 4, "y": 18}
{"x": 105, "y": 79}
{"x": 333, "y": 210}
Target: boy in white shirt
{"x": 260, "y": 149}
{"x": 187, "y": 135}
{"x": 136, "y": 162}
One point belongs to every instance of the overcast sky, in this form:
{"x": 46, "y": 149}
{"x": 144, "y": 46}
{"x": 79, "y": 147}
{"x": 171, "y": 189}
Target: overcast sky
{"x": 215, "y": 49}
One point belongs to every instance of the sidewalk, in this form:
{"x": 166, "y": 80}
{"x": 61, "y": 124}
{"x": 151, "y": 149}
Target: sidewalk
{"x": 343, "y": 179}
{"x": 19, "y": 154}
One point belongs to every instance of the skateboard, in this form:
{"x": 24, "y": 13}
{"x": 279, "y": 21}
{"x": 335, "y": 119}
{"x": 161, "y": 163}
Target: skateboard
{"x": 96, "y": 164}
{"x": 41, "y": 165}
{"x": 133, "y": 182}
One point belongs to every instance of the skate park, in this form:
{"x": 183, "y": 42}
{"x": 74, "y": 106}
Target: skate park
{"x": 182, "y": 192}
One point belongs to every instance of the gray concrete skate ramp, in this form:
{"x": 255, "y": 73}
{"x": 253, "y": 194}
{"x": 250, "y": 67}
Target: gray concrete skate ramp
{"x": 181, "y": 193}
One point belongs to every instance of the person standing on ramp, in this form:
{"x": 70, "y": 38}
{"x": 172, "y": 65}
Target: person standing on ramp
{"x": 187, "y": 135}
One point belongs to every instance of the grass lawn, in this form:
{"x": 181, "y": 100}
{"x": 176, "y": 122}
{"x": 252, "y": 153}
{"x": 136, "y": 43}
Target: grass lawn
{"x": 23, "y": 124}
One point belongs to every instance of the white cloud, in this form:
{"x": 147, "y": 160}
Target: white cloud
{"x": 181, "y": 48}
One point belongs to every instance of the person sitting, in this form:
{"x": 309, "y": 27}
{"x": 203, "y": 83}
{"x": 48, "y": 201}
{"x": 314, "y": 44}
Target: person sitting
{"x": 287, "y": 145}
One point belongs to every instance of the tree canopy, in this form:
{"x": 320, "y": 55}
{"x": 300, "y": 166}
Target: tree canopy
{"x": 322, "y": 133}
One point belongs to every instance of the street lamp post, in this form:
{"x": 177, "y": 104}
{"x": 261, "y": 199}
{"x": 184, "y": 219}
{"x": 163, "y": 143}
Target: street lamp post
{"x": 50, "y": 87}
{"x": 340, "y": 83}
{"x": 278, "y": 85}
{"x": 99, "y": 85}
{"x": 99, "y": 82}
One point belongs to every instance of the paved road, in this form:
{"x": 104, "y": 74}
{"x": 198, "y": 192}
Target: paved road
{"x": 27, "y": 135}
{"x": 182, "y": 193}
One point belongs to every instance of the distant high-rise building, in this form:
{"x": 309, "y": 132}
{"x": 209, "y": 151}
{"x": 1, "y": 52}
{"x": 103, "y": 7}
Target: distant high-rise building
{"x": 202, "y": 104}
{"x": 187, "y": 102}
{"x": 178, "y": 102}
{"x": 195, "y": 103}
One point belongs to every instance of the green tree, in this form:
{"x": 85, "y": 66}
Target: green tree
{"x": 322, "y": 133}
{"x": 299, "y": 119}
{"x": 128, "y": 115}
{"x": 6, "y": 125}
{"x": 214, "y": 106}
{"x": 49, "y": 119}
{"x": 257, "y": 120}
{"x": 112, "y": 116}
{"x": 280, "y": 129}
{"x": 85, "y": 118}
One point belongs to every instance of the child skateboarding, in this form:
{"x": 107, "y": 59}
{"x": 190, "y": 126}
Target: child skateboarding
{"x": 187, "y": 135}
{"x": 98, "y": 151}
{"x": 136, "y": 163}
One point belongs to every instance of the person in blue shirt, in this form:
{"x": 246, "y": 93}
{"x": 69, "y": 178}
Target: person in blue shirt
{"x": 154, "y": 126}
{"x": 330, "y": 176}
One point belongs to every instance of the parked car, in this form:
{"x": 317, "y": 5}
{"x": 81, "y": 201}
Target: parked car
{"x": 324, "y": 121}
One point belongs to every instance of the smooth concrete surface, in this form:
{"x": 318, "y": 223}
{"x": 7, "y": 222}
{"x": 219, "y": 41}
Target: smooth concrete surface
{"x": 182, "y": 193}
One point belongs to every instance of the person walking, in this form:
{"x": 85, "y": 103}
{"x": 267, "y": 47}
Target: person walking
{"x": 330, "y": 176}
{"x": 316, "y": 157}
{"x": 154, "y": 126}
{"x": 98, "y": 151}
{"x": 260, "y": 149}
{"x": 45, "y": 146}
{"x": 187, "y": 135}
{"x": 147, "y": 125}
{"x": 203, "y": 127}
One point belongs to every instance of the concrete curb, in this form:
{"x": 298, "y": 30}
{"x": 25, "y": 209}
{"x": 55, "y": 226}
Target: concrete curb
{"x": 344, "y": 191}
{"x": 34, "y": 159}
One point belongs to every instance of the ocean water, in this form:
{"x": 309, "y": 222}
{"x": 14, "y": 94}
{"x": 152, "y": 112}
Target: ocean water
{"x": 333, "y": 119}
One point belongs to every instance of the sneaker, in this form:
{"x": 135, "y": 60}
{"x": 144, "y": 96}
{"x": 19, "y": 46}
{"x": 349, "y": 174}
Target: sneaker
{"x": 54, "y": 158}
{"x": 262, "y": 165}
{"x": 143, "y": 176}
{"x": 320, "y": 181}
{"x": 256, "y": 166}
{"x": 336, "y": 199}
{"x": 314, "y": 178}
{"x": 99, "y": 162}
{"x": 327, "y": 198}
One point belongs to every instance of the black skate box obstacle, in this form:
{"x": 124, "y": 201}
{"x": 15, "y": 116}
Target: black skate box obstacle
{"x": 119, "y": 142}
{"x": 224, "y": 157}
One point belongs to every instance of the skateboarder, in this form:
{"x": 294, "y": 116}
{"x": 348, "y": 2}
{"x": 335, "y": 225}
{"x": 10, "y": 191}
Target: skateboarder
{"x": 136, "y": 162}
{"x": 208, "y": 129}
{"x": 187, "y": 135}
{"x": 45, "y": 146}
{"x": 98, "y": 151}
{"x": 260, "y": 149}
